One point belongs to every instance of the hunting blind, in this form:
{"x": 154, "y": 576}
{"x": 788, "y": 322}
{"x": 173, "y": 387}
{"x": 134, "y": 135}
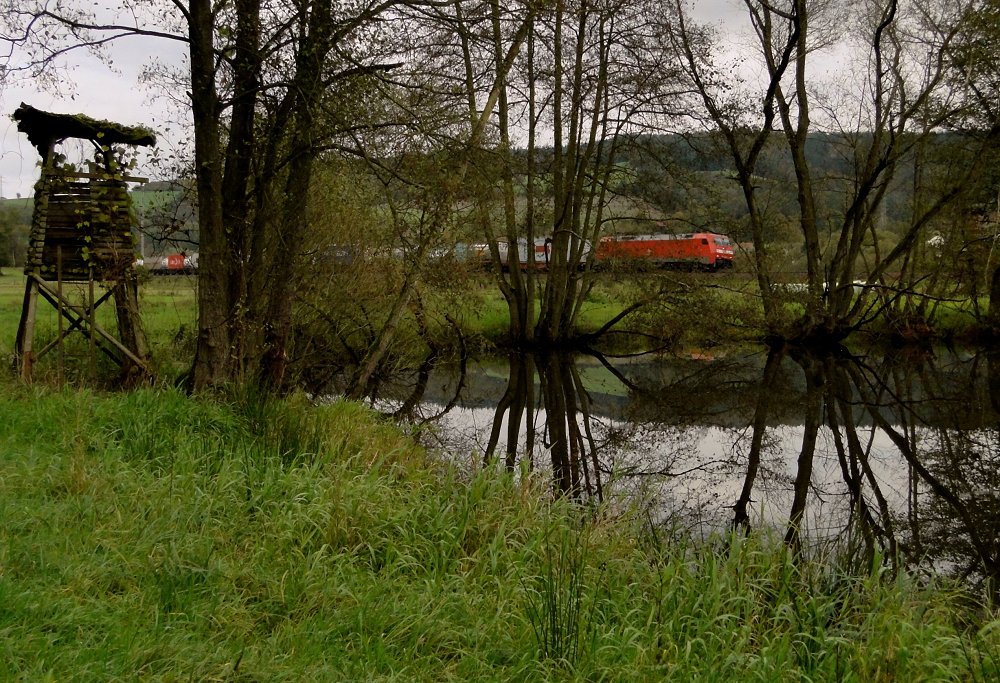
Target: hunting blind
{"x": 81, "y": 235}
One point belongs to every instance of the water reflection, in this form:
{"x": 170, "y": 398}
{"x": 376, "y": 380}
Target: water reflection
{"x": 568, "y": 434}
{"x": 895, "y": 454}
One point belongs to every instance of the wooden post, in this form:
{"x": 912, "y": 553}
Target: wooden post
{"x": 59, "y": 288}
{"x": 92, "y": 316}
{"x": 26, "y": 330}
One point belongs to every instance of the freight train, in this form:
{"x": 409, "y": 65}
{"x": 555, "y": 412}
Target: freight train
{"x": 692, "y": 251}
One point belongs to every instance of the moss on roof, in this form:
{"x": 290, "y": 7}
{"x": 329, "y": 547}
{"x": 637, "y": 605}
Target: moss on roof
{"x": 43, "y": 128}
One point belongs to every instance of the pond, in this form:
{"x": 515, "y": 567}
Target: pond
{"x": 895, "y": 453}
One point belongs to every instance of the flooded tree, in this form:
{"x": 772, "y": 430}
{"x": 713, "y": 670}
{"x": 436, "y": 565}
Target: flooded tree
{"x": 915, "y": 447}
{"x": 549, "y": 384}
{"x": 515, "y": 409}
{"x": 890, "y": 456}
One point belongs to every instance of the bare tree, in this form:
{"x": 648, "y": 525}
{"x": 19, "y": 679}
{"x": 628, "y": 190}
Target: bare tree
{"x": 901, "y": 98}
{"x": 585, "y": 77}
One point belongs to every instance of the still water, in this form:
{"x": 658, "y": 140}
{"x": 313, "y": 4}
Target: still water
{"x": 890, "y": 452}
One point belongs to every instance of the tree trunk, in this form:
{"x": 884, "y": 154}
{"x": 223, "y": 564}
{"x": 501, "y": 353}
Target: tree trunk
{"x": 308, "y": 84}
{"x": 362, "y": 378}
{"x": 237, "y": 212}
{"x": 993, "y": 314}
{"x": 130, "y": 330}
{"x": 211, "y": 362}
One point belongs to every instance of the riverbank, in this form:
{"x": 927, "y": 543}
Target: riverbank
{"x": 702, "y": 311}
{"x": 162, "y": 537}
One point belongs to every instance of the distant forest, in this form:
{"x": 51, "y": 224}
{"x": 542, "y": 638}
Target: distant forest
{"x": 687, "y": 181}
{"x": 665, "y": 183}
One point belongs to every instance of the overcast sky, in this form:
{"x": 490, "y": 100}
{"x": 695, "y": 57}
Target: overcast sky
{"x": 98, "y": 92}
{"x": 94, "y": 89}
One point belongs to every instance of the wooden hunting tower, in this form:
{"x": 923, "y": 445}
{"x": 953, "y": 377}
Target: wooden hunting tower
{"x": 81, "y": 233}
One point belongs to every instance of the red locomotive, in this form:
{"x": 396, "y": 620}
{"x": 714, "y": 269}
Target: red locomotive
{"x": 700, "y": 250}
{"x": 703, "y": 250}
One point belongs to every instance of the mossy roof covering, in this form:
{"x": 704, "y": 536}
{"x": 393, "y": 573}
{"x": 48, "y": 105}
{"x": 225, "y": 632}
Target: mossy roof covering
{"x": 43, "y": 128}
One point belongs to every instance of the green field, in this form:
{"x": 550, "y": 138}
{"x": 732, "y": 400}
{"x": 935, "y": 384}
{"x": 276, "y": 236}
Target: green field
{"x": 152, "y": 536}
{"x": 168, "y": 310}
{"x": 162, "y": 537}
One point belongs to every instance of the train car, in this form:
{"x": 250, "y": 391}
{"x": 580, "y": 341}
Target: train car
{"x": 542, "y": 248}
{"x": 171, "y": 264}
{"x": 701, "y": 250}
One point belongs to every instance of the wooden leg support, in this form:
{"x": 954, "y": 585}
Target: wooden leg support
{"x": 26, "y": 331}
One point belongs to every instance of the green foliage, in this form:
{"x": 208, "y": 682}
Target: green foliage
{"x": 15, "y": 224}
{"x": 693, "y": 312}
{"x": 160, "y": 537}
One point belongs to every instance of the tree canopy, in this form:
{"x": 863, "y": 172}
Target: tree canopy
{"x": 518, "y": 124}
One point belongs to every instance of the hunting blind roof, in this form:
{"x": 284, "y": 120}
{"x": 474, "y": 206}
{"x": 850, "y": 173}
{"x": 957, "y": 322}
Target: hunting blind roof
{"x": 45, "y": 128}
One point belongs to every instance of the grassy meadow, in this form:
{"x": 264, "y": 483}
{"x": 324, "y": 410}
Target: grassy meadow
{"x": 168, "y": 310}
{"x": 154, "y": 536}
{"x": 162, "y": 537}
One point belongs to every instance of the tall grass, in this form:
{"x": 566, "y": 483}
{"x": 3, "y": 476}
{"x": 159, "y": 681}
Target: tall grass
{"x": 152, "y": 536}
{"x": 561, "y": 601}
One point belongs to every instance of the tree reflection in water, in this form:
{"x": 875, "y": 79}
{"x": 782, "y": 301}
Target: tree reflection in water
{"x": 567, "y": 436}
{"x": 896, "y": 455}
{"x": 916, "y": 445}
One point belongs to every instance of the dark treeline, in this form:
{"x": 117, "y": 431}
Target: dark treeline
{"x": 688, "y": 178}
